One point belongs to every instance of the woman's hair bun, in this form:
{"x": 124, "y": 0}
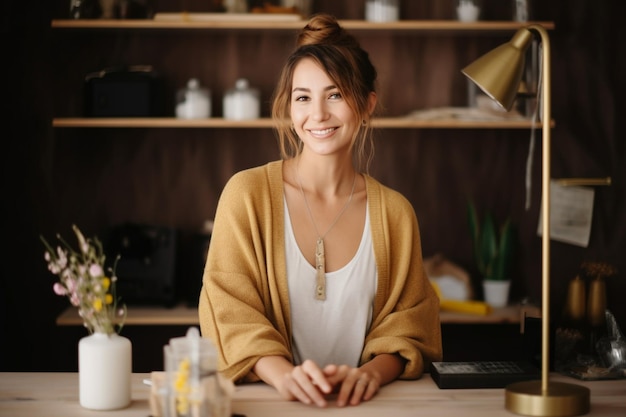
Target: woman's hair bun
{"x": 323, "y": 29}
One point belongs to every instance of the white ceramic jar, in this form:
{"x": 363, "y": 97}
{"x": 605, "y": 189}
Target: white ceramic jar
{"x": 242, "y": 102}
{"x": 468, "y": 10}
{"x": 382, "y": 10}
{"x": 193, "y": 102}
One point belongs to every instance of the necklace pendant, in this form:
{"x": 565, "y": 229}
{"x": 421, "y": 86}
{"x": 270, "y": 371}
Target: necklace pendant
{"x": 320, "y": 268}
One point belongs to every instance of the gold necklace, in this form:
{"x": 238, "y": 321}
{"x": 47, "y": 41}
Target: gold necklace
{"x": 320, "y": 256}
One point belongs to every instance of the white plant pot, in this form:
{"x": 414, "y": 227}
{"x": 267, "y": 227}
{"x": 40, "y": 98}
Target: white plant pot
{"x": 496, "y": 292}
{"x": 104, "y": 371}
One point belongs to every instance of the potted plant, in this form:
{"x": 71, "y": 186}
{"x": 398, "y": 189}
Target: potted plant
{"x": 493, "y": 253}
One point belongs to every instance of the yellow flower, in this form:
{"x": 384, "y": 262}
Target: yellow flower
{"x": 181, "y": 386}
{"x": 97, "y": 304}
{"x": 106, "y": 283}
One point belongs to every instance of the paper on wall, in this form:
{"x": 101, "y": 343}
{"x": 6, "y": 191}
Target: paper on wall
{"x": 571, "y": 213}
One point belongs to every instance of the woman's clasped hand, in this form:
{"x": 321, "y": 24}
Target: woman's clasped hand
{"x": 310, "y": 384}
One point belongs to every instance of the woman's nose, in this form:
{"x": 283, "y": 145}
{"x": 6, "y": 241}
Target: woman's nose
{"x": 319, "y": 111}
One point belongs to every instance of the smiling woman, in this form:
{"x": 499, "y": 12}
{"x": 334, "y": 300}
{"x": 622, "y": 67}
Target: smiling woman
{"x": 314, "y": 281}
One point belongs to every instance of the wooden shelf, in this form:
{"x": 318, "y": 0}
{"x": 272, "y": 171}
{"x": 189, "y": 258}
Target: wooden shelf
{"x": 188, "y": 316}
{"x": 219, "y": 123}
{"x": 179, "y": 315}
{"x": 489, "y": 27}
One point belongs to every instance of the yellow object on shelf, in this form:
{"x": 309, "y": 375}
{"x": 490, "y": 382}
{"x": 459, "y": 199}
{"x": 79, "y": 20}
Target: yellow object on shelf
{"x": 467, "y": 306}
{"x": 470, "y": 307}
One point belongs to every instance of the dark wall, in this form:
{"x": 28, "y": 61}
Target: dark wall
{"x": 98, "y": 178}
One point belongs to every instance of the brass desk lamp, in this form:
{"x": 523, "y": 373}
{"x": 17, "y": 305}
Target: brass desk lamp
{"x": 498, "y": 73}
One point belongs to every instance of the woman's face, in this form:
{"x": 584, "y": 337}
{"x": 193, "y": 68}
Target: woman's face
{"x": 320, "y": 114}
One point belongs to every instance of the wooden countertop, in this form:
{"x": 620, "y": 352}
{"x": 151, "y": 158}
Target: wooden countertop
{"x": 53, "y": 394}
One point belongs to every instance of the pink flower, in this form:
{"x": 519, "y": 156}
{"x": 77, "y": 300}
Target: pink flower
{"x": 59, "y": 289}
{"x": 95, "y": 270}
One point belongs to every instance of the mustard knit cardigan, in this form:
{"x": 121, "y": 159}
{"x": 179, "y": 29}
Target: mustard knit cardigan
{"x": 244, "y": 302}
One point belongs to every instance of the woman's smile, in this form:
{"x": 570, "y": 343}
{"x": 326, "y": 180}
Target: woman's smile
{"x": 322, "y": 132}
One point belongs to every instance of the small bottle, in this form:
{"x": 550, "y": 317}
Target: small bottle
{"x": 193, "y": 102}
{"x": 596, "y": 312}
{"x": 575, "y": 307}
{"x": 596, "y": 304}
{"x": 520, "y": 10}
{"x": 242, "y": 102}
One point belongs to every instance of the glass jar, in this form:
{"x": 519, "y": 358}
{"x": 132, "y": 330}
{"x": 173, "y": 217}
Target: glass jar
{"x": 192, "y": 385}
{"x": 242, "y": 102}
{"x": 382, "y": 10}
{"x": 521, "y": 12}
{"x": 193, "y": 102}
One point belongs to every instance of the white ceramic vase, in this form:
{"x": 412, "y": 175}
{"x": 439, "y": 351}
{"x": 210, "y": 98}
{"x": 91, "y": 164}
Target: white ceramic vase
{"x": 496, "y": 293}
{"x": 104, "y": 371}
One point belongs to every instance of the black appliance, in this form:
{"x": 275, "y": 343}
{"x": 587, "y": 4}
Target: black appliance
{"x": 146, "y": 269}
{"x": 135, "y": 91}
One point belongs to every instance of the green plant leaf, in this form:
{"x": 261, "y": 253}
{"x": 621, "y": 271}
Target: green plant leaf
{"x": 488, "y": 246}
{"x": 493, "y": 249}
{"x": 505, "y": 251}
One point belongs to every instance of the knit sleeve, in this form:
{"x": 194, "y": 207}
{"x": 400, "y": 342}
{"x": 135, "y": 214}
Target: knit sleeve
{"x": 406, "y": 318}
{"x": 233, "y": 305}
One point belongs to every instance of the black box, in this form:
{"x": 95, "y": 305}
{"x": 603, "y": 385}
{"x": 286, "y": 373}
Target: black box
{"x": 482, "y": 374}
{"x": 135, "y": 91}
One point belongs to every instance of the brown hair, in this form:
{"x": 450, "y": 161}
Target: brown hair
{"x": 350, "y": 68}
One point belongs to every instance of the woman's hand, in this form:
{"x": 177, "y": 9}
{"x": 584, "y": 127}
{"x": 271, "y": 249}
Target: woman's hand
{"x": 306, "y": 383}
{"x": 310, "y": 384}
{"x": 353, "y": 384}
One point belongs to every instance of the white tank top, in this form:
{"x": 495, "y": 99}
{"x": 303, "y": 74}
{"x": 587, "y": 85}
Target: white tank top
{"x": 331, "y": 331}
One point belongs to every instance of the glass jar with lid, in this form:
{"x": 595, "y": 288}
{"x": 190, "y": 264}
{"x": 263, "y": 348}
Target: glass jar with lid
{"x": 468, "y": 10}
{"x": 242, "y": 102}
{"x": 193, "y": 102}
{"x": 382, "y": 10}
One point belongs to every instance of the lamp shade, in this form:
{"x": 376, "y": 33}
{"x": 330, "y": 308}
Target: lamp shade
{"x": 499, "y": 72}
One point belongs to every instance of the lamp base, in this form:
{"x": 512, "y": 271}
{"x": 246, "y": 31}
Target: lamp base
{"x": 560, "y": 399}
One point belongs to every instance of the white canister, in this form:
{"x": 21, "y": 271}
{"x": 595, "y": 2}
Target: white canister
{"x": 382, "y": 10}
{"x": 242, "y": 102}
{"x": 520, "y": 10}
{"x": 468, "y": 10}
{"x": 193, "y": 102}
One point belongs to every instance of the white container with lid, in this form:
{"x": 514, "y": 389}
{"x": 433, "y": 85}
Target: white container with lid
{"x": 242, "y": 102}
{"x": 468, "y": 10}
{"x": 193, "y": 102}
{"x": 382, "y": 10}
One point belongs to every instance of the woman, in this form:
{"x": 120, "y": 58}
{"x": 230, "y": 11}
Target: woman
{"x": 314, "y": 281}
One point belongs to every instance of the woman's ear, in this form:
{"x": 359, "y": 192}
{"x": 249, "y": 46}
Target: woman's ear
{"x": 371, "y": 102}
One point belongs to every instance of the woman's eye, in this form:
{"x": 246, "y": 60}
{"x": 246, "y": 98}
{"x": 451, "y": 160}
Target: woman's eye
{"x": 301, "y": 98}
{"x": 335, "y": 96}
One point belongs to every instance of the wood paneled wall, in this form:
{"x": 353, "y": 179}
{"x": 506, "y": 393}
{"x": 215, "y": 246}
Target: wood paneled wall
{"x": 101, "y": 177}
